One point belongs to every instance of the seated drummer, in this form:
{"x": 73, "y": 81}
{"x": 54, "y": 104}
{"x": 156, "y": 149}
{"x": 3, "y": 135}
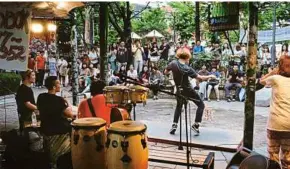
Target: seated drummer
{"x": 54, "y": 113}
{"x": 98, "y": 106}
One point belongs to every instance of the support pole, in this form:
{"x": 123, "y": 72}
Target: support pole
{"x": 251, "y": 76}
{"x": 197, "y": 23}
{"x": 273, "y": 51}
{"x": 103, "y": 27}
{"x": 75, "y": 84}
{"x": 174, "y": 27}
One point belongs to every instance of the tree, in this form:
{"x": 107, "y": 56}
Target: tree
{"x": 120, "y": 15}
{"x": 266, "y": 14}
{"x": 184, "y": 13}
{"x": 152, "y": 19}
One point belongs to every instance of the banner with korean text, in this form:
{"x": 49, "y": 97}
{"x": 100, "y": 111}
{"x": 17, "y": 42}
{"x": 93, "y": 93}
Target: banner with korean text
{"x": 14, "y": 38}
{"x": 223, "y": 16}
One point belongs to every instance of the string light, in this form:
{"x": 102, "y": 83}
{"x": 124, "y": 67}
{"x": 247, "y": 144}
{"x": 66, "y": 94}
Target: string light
{"x": 36, "y": 28}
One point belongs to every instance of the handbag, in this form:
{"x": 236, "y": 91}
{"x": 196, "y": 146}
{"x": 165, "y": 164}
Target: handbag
{"x": 213, "y": 82}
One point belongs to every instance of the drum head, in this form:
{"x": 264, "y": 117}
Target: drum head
{"x": 129, "y": 127}
{"x": 89, "y": 122}
{"x": 110, "y": 88}
{"x": 138, "y": 88}
{"x": 255, "y": 162}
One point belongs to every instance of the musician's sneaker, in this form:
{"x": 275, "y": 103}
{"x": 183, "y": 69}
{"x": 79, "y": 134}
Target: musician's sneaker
{"x": 195, "y": 128}
{"x": 173, "y": 128}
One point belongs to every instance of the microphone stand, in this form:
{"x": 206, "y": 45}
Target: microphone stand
{"x": 184, "y": 102}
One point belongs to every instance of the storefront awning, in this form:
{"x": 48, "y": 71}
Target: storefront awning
{"x": 46, "y": 9}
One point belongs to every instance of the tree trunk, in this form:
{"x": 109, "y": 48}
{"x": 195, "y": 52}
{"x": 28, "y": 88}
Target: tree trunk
{"x": 88, "y": 26}
{"x": 251, "y": 77}
{"x": 197, "y": 23}
{"x": 92, "y": 30}
{"x": 103, "y": 27}
{"x": 75, "y": 83}
{"x": 127, "y": 33}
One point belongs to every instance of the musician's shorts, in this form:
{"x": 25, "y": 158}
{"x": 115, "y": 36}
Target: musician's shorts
{"x": 57, "y": 145}
{"x": 279, "y": 147}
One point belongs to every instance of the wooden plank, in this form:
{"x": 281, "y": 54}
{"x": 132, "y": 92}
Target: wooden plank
{"x": 199, "y": 160}
{"x": 162, "y": 153}
{"x": 172, "y": 142}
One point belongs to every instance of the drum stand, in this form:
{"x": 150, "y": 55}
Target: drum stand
{"x": 184, "y": 101}
{"x": 134, "y": 111}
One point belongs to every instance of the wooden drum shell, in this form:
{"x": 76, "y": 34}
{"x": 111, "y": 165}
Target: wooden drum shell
{"x": 137, "y": 150}
{"x": 88, "y": 147}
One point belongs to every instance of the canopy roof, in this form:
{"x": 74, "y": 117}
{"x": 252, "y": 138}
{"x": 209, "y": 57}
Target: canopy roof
{"x": 153, "y": 34}
{"x": 45, "y": 9}
{"x": 135, "y": 36}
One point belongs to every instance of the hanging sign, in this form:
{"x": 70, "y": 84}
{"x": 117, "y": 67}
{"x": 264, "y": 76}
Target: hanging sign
{"x": 14, "y": 38}
{"x": 223, "y": 16}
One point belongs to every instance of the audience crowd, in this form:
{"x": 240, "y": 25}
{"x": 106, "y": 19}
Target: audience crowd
{"x": 226, "y": 63}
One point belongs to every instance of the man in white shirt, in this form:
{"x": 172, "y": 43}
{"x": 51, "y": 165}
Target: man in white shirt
{"x": 132, "y": 73}
{"x": 93, "y": 57}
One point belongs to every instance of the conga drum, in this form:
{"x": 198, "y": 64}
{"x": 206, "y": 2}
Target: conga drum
{"x": 116, "y": 94}
{"x": 138, "y": 94}
{"x": 88, "y": 143}
{"x": 119, "y": 114}
{"x": 127, "y": 146}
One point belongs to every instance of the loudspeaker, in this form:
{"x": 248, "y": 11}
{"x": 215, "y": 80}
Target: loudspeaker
{"x": 247, "y": 159}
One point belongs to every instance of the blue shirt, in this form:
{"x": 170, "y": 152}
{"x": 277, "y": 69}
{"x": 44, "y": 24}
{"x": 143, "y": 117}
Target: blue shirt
{"x": 217, "y": 74}
{"x": 198, "y": 49}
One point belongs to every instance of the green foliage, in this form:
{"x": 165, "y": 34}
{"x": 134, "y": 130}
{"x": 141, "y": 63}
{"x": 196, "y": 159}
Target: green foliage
{"x": 184, "y": 18}
{"x": 151, "y": 19}
{"x": 267, "y": 11}
{"x": 63, "y": 36}
{"x": 9, "y": 83}
{"x": 197, "y": 61}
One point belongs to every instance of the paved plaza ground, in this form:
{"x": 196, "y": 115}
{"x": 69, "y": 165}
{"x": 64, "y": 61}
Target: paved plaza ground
{"x": 226, "y": 116}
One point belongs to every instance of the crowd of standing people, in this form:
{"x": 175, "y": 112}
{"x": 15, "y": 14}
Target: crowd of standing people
{"x": 226, "y": 63}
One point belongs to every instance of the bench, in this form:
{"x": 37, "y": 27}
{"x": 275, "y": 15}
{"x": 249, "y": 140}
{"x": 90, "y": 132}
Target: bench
{"x": 178, "y": 157}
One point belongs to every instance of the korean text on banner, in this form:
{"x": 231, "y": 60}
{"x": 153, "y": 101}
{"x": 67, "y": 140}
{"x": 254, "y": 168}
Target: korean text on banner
{"x": 14, "y": 38}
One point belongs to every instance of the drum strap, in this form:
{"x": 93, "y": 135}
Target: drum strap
{"x": 91, "y": 107}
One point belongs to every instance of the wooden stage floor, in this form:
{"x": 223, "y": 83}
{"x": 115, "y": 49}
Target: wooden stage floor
{"x": 209, "y": 138}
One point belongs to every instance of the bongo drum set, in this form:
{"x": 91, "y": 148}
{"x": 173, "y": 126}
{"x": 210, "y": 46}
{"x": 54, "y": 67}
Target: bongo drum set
{"x": 123, "y": 145}
{"x": 121, "y": 95}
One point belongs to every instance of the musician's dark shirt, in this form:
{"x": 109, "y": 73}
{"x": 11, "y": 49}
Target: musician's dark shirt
{"x": 24, "y": 94}
{"x": 181, "y": 72}
{"x": 51, "y": 110}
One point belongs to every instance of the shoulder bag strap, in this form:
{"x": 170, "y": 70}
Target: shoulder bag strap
{"x": 91, "y": 107}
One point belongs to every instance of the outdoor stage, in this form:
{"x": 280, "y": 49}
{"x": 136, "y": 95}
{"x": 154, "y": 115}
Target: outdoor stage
{"x": 210, "y": 138}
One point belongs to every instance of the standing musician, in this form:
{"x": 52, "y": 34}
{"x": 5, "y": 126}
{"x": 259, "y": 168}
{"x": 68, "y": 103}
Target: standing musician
{"x": 181, "y": 72}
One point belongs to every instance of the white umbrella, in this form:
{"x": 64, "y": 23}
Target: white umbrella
{"x": 135, "y": 36}
{"x": 154, "y": 34}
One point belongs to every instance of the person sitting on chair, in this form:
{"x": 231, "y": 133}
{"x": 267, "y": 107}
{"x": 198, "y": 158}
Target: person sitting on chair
{"x": 214, "y": 83}
{"x": 203, "y": 83}
{"x": 55, "y": 113}
{"x": 95, "y": 106}
{"x": 235, "y": 78}
{"x": 156, "y": 78}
